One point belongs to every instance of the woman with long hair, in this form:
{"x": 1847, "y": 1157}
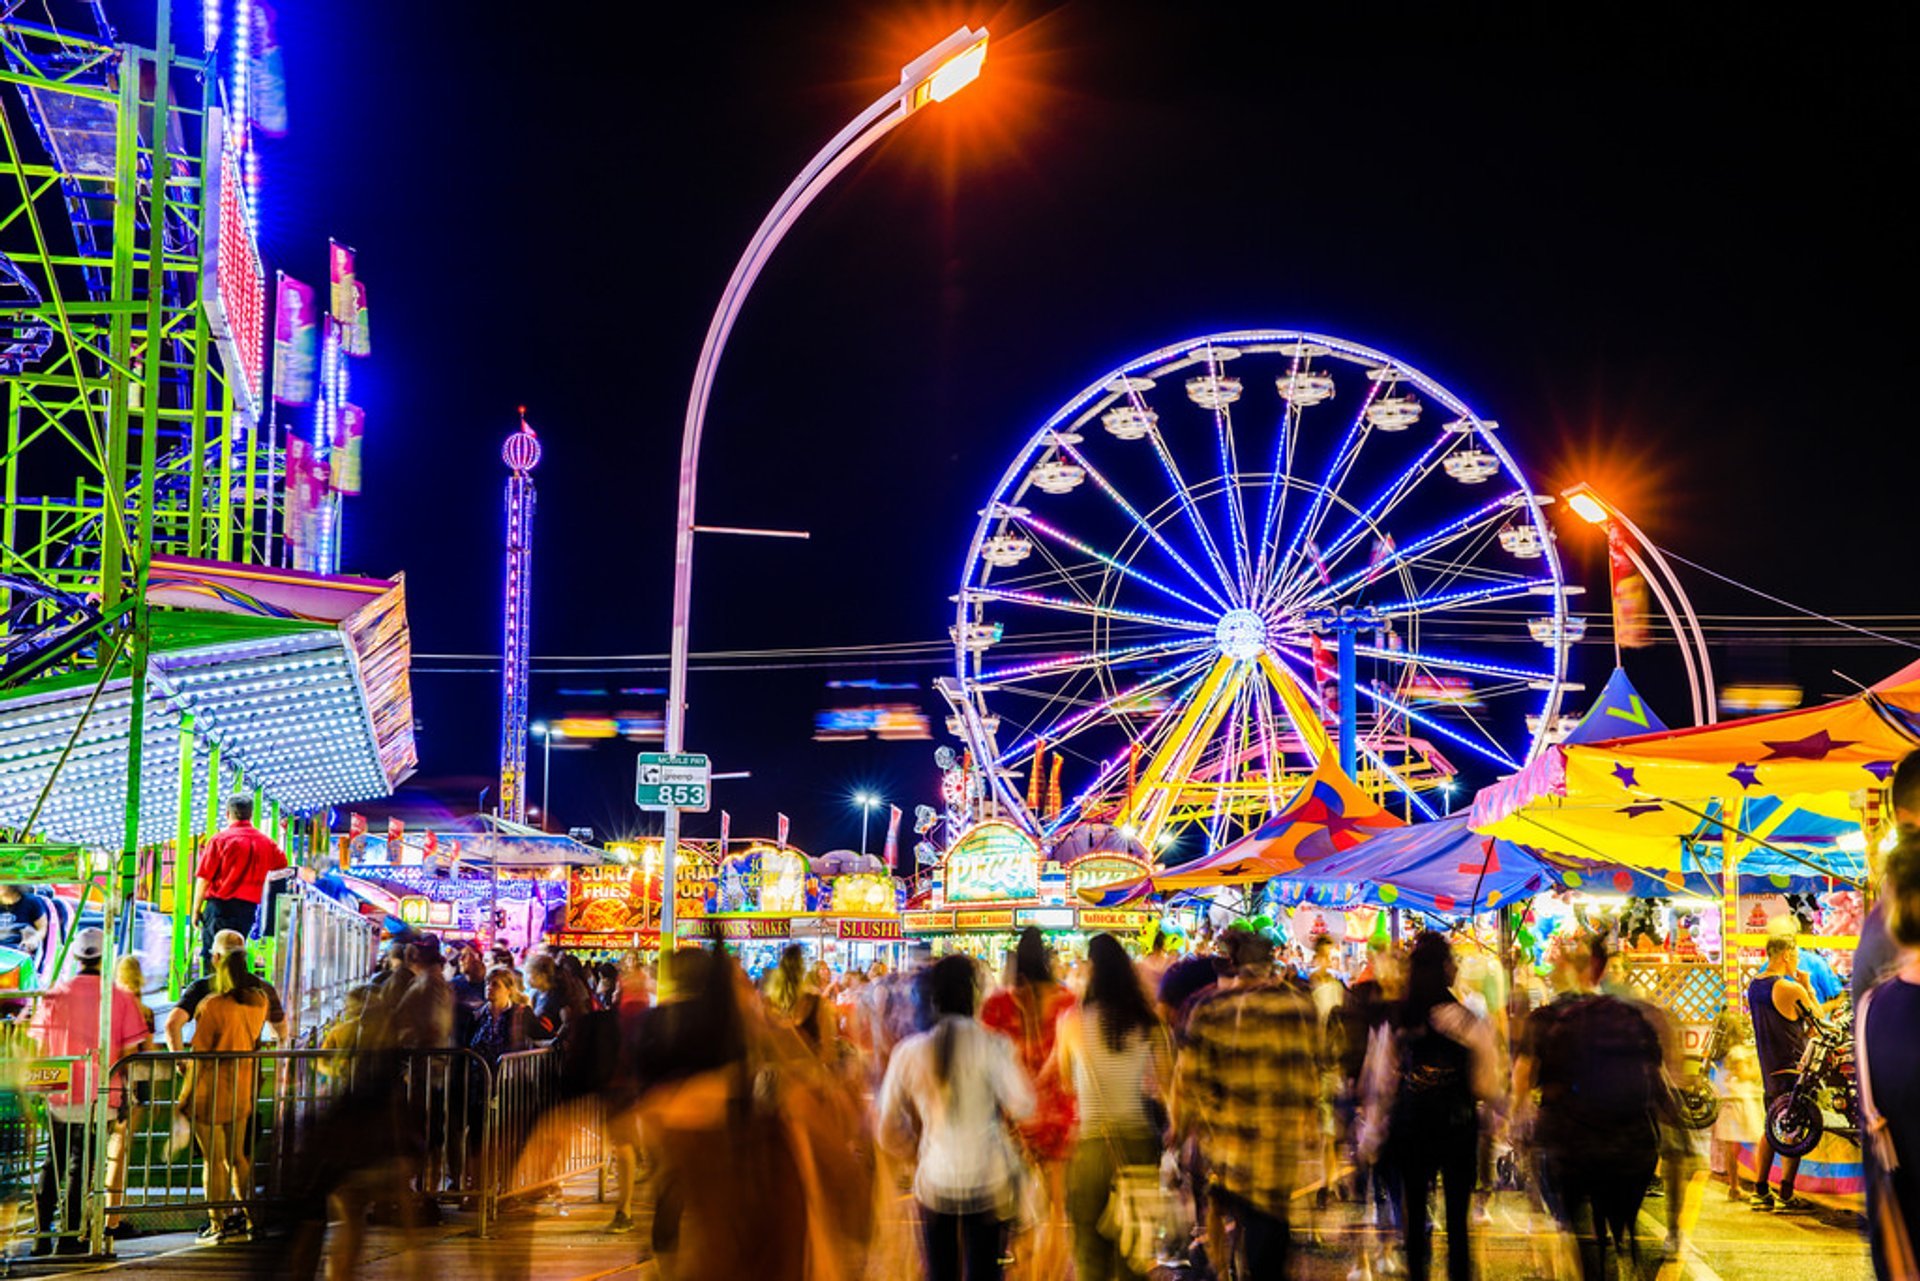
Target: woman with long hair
{"x": 219, "y": 1095}
{"x": 945, "y": 1104}
{"x": 1425, "y": 1083}
{"x": 795, "y": 997}
{"x": 1118, "y": 1057}
{"x": 1028, "y": 1011}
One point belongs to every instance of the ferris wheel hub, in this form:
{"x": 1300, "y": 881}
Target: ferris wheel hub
{"x": 1241, "y": 635}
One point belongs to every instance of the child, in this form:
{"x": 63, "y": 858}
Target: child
{"x": 131, "y": 978}
{"x": 1740, "y": 1119}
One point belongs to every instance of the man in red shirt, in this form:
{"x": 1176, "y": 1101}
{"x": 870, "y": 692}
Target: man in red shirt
{"x": 232, "y": 876}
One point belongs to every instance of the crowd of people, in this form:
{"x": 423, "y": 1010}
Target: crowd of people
{"x": 1095, "y": 1116}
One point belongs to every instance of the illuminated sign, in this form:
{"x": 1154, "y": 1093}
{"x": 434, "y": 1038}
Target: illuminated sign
{"x": 746, "y": 931}
{"x": 50, "y": 1074}
{"x": 926, "y": 922}
{"x": 870, "y": 931}
{"x": 1046, "y": 918}
{"x": 1091, "y": 919}
{"x": 783, "y": 881}
{"x": 867, "y": 892}
{"x": 992, "y": 863}
{"x": 610, "y": 899}
{"x": 989, "y": 919}
{"x": 237, "y": 304}
{"x": 413, "y": 909}
{"x": 1097, "y": 871}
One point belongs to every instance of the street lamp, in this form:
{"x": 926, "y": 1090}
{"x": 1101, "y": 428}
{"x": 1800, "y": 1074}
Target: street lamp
{"x": 867, "y": 801}
{"x": 546, "y": 735}
{"x": 1586, "y": 503}
{"x": 934, "y": 76}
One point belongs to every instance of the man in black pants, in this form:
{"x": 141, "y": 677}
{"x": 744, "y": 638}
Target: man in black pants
{"x": 232, "y": 876}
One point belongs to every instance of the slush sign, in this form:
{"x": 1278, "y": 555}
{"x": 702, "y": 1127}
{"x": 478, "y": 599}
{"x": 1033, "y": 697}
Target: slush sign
{"x": 993, "y": 863}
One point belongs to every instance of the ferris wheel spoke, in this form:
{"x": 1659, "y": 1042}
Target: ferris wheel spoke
{"x": 1046, "y": 530}
{"x": 1277, "y": 487}
{"x": 1451, "y": 664}
{"x": 1446, "y": 535}
{"x": 1369, "y": 517}
{"x": 1379, "y": 762}
{"x": 1088, "y": 608}
{"x": 1235, "y": 500}
{"x": 1060, "y": 730}
{"x": 1468, "y": 596}
{"x": 1192, "y": 509}
{"x": 1309, "y": 527}
{"x": 1147, "y": 527}
{"x": 1119, "y": 656}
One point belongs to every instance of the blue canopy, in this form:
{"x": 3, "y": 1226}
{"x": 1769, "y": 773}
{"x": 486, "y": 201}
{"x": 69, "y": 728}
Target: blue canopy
{"x": 1441, "y": 866}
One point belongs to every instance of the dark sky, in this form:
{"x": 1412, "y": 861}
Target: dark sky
{"x": 1671, "y": 253}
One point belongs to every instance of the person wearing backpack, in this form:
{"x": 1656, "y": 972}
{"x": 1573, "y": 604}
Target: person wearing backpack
{"x": 1427, "y": 1071}
{"x": 1596, "y": 1063}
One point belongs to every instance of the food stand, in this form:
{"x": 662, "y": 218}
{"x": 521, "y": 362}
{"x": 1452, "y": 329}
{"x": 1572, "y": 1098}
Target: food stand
{"x": 768, "y": 896}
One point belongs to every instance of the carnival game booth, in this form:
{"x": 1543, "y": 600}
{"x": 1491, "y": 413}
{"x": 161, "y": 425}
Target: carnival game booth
{"x": 993, "y": 882}
{"x": 842, "y": 907}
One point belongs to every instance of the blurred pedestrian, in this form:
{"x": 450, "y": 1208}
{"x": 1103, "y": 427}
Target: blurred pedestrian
{"x": 561, "y": 1001}
{"x": 68, "y": 1026}
{"x": 1427, "y": 1078}
{"x": 1596, "y": 1063}
{"x": 1887, "y": 1044}
{"x": 232, "y": 877}
{"x": 1028, "y": 1012}
{"x": 23, "y": 919}
{"x": 226, "y": 943}
{"x": 1246, "y": 1087}
{"x": 794, "y": 995}
{"x": 1118, "y": 1057}
{"x": 942, "y": 1104}
{"x": 218, "y": 1094}
{"x": 131, "y": 1118}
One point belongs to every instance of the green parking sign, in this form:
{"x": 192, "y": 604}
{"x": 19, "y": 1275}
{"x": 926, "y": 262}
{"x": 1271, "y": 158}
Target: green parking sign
{"x": 674, "y": 781}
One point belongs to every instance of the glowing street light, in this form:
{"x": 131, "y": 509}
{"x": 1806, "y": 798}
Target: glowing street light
{"x": 867, "y": 802}
{"x": 1587, "y": 504}
{"x": 934, "y": 76}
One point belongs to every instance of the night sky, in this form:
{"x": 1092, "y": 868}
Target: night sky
{"x": 1669, "y": 256}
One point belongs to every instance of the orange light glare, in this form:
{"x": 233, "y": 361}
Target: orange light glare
{"x": 953, "y": 75}
{"x": 1589, "y": 508}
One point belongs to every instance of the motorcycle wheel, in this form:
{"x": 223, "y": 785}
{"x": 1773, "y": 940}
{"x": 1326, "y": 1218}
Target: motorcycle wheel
{"x": 1794, "y": 1124}
{"x": 1697, "y": 1104}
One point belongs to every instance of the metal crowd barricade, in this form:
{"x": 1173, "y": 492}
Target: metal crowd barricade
{"x": 266, "y": 1112}
{"x": 324, "y": 950}
{"x": 541, "y": 1139}
{"x": 29, "y": 1134}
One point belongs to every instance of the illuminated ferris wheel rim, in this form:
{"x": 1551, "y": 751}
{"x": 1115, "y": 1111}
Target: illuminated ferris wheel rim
{"x": 1242, "y": 627}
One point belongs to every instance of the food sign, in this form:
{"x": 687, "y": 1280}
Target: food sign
{"x": 866, "y": 893}
{"x": 610, "y": 899}
{"x": 993, "y": 863}
{"x": 1097, "y": 871}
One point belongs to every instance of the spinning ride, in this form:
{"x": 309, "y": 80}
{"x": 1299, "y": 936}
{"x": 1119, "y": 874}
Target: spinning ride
{"x": 1225, "y": 547}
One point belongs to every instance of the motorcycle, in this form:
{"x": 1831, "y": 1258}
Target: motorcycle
{"x": 1826, "y": 1083}
{"x": 1694, "y": 1097}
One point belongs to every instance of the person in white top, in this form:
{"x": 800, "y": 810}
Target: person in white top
{"x": 947, "y": 1100}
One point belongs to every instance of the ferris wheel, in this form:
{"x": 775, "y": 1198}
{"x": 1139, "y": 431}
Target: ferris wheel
{"x": 1158, "y": 593}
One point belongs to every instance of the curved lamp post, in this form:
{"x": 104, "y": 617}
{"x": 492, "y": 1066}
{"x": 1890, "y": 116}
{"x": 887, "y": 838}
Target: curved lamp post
{"x": 1595, "y": 510}
{"x": 934, "y": 76}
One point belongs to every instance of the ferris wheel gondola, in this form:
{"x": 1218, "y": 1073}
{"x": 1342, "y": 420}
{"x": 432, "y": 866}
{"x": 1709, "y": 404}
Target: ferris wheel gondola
{"x": 1202, "y": 521}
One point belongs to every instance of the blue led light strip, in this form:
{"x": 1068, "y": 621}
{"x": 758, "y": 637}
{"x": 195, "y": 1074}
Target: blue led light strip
{"x": 1400, "y": 555}
{"x": 1042, "y": 527}
{"x": 1088, "y": 608}
{"x": 1470, "y": 596}
{"x": 1107, "y": 488}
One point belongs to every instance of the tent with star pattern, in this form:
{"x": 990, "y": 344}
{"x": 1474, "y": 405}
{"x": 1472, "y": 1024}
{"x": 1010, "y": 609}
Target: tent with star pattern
{"x": 1781, "y": 782}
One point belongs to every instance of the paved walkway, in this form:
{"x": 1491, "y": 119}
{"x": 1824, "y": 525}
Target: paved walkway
{"x": 567, "y": 1240}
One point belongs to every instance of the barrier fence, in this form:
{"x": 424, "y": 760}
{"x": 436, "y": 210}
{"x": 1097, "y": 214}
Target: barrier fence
{"x": 202, "y": 1136}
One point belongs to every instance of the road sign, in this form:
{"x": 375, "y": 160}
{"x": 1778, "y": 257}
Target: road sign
{"x": 674, "y": 781}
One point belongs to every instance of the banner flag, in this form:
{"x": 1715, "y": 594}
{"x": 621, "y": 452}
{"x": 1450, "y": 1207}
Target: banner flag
{"x": 304, "y": 497}
{"x": 268, "y": 68}
{"x": 782, "y": 841}
{"x": 355, "y": 338}
{"x": 1383, "y": 552}
{"x": 1631, "y": 628}
{"x": 726, "y": 830}
{"x": 343, "y": 297}
{"x": 431, "y": 845}
{"x": 356, "y": 825}
{"x": 345, "y": 463}
{"x": 295, "y": 342}
{"x": 1319, "y": 563}
{"x": 893, "y": 837}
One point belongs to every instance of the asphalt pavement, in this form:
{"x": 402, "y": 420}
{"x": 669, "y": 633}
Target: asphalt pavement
{"x": 567, "y": 1239}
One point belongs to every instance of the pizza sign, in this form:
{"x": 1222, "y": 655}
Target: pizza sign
{"x": 993, "y": 863}
{"x": 1097, "y": 871}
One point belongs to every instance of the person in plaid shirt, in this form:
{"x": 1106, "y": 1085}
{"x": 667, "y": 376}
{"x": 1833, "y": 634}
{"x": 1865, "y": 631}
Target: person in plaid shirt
{"x": 1247, "y": 1088}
